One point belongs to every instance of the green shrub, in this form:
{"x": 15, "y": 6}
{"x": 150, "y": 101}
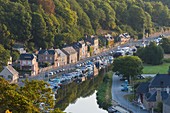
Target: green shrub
{"x": 166, "y": 60}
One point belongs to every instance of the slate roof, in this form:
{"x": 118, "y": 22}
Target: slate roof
{"x": 91, "y": 39}
{"x": 18, "y": 45}
{"x": 81, "y": 42}
{"x": 69, "y": 50}
{"x": 76, "y": 46}
{"x": 151, "y": 97}
{"x": 11, "y": 69}
{"x": 167, "y": 102}
{"x": 143, "y": 87}
{"x": 51, "y": 51}
{"x": 160, "y": 80}
{"x": 60, "y": 53}
{"x": 27, "y": 56}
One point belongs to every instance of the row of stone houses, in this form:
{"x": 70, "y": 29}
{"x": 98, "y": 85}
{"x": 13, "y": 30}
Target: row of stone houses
{"x": 29, "y": 63}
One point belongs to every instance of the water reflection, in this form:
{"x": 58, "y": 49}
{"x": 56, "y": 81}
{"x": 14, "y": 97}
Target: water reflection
{"x": 85, "y": 105}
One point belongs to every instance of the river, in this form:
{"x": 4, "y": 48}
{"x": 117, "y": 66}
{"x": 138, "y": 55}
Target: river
{"x": 85, "y": 105}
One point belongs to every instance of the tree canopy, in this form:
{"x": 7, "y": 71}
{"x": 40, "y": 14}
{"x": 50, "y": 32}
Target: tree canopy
{"x": 52, "y": 23}
{"x": 26, "y": 98}
{"x": 128, "y": 66}
{"x": 4, "y": 57}
{"x": 152, "y": 54}
{"x": 165, "y": 44}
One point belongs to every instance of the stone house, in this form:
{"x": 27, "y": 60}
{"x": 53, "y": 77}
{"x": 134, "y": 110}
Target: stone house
{"x": 61, "y": 59}
{"x": 10, "y": 74}
{"x": 29, "y": 64}
{"x": 157, "y": 90}
{"x": 93, "y": 45}
{"x": 109, "y": 40}
{"x": 71, "y": 54}
{"x": 19, "y": 47}
{"x": 125, "y": 37}
{"x": 49, "y": 56}
{"x": 81, "y": 49}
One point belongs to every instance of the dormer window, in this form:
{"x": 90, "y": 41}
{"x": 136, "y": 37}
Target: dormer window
{"x": 46, "y": 52}
{"x": 9, "y": 77}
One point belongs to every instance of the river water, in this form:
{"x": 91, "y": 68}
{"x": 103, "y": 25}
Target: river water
{"x": 85, "y": 105}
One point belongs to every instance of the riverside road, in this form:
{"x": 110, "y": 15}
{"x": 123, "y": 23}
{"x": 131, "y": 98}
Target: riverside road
{"x": 118, "y": 96}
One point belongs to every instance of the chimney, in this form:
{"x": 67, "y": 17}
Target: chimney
{"x": 158, "y": 96}
{"x": 167, "y": 90}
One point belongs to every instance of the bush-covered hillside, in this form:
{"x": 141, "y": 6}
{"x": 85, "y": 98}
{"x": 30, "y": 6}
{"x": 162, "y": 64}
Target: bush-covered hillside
{"x": 52, "y": 23}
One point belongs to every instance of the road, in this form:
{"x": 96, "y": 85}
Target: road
{"x": 41, "y": 76}
{"x": 118, "y": 96}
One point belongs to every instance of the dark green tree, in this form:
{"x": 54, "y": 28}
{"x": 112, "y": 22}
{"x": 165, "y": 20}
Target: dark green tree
{"x": 136, "y": 17}
{"x": 39, "y": 30}
{"x": 4, "y": 56}
{"x": 128, "y": 66}
{"x": 152, "y": 54}
{"x": 165, "y": 44}
{"x": 15, "y": 55}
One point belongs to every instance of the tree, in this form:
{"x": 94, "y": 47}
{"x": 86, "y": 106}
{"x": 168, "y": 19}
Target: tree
{"x": 152, "y": 54}
{"x": 26, "y": 98}
{"x": 169, "y": 70}
{"x": 15, "y": 55}
{"x": 159, "y": 107}
{"x": 165, "y": 44}
{"x": 11, "y": 99}
{"x": 38, "y": 92}
{"x": 136, "y": 18}
{"x": 128, "y": 66}
{"x": 4, "y": 56}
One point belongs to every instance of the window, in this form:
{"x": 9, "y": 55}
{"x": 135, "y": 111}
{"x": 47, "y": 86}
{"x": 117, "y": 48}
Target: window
{"x": 46, "y": 58}
{"x": 23, "y": 62}
{"x": 9, "y": 77}
{"x": 29, "y": 62}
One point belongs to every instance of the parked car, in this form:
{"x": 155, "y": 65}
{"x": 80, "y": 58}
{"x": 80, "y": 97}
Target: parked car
{"x": 140, "y": 77}
{"x": 111, "y": 110}
{"x": 50, "y": 73}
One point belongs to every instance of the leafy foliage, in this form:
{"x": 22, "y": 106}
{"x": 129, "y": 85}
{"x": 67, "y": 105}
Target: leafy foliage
{"x": 63, "y": 22}
{"x": 4, "y": 56}
{"x": 26, "y": 98}
{"x": 104, "y": 92}
{"x": 151, "y": 54}
{"x": 165, "y": 44}
{"x": 128, "y": 66}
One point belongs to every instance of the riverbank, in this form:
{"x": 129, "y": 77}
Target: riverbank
{"x": 104, "y": 95}
{"x": 71, "y": 92}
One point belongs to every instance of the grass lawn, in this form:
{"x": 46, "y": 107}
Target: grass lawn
{"x": 150, "y": 69}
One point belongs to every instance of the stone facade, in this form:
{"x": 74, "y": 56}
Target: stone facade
{"x": 61, "y": 59}
{"x": 10, "y": 74}
{"x": 81, "y": 49}
{"x": 28, "y": 62}
{"x": 93, "y": 45}
{"x": 71, "y": 54}
{"x": 49, "y": 56}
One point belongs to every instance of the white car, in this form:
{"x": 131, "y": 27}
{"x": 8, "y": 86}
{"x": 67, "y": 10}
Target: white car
{"x": 50, "y": 73}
